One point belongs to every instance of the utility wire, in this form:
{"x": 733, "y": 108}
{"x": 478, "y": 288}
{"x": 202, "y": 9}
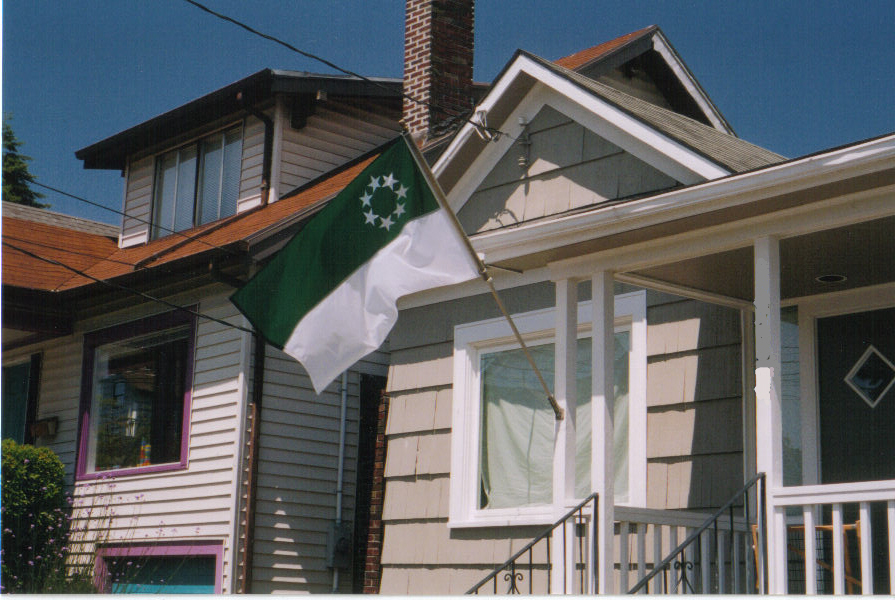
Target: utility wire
{"x": 69, "y": 251}
{"x": 191, "y": 238}
{"x": 452, "y": 114}
{"x": 124, "y": 288}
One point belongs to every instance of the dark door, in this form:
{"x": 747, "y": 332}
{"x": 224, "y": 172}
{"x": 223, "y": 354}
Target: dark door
{"x": 856, "y": 397}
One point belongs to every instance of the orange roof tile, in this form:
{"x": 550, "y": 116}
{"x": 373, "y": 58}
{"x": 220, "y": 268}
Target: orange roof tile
{"x": 588, "y": 55}
{"x": 99, "y": 257}
{"x": 78, "y": 249}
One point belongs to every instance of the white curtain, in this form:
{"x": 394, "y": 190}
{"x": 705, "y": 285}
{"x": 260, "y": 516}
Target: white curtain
{"x": 517, "y": 431}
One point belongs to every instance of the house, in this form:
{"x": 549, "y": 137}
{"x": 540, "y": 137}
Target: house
{"x": 607, "y": 193}
{"x": 186, "y": 443}
{"x": 717, "y": 316}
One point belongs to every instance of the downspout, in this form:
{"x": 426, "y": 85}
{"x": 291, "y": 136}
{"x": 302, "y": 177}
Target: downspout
{"x": 268, "y": 149}
{"x": 251, "y": 479}
{"x": 343, "y": 421}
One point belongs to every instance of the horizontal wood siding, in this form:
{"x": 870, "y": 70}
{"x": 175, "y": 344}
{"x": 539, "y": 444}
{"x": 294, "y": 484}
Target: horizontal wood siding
{"x": 335, "y": 134}
{"x": 297, "y": 475}
{"x": 191, "y": 504}
{"x": 568, "y": 167}
{"x": 252, "y": 159}
{"x": 694, "y": 431}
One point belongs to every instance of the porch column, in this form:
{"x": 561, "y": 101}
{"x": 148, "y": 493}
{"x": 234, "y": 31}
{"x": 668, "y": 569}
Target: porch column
{"x": 768, "y": 412}
{"x": 602, "y": 405}
{"x": 564, "y": 390}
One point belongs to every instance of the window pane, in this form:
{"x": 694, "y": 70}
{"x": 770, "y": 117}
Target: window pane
{"x": 137, "y": 406}
{"x": 16, "y": 380}
{"x": 517, "y": 425}
{"x": 165, "y": 193}
{"x": 620, "y": 421}
{"x": 162, "y": 575}
{"x": 186, "y": 189}
{"x": 232, "y": 171}
{"x": 210, "y": 178}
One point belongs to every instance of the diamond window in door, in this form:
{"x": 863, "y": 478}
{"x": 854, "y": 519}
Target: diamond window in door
{"x": 872, "y": 376}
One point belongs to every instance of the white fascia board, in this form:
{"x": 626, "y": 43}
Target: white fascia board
{"x": 732, "y": 191}
{"x": 661, "y": 45}
{"x": 590, "y": 111}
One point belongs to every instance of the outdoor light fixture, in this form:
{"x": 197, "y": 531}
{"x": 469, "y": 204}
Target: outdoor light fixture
{"x": 830, "y": 278}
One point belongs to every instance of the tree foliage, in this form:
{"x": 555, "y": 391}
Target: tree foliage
{"x": 16, "y": 176}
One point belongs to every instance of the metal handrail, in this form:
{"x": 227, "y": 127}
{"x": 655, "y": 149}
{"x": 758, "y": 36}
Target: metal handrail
{"x": 510, "y": 562}
{"x": 709, "y": 522}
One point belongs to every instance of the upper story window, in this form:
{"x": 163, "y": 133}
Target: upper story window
{"x": 503, "y": 428}
{"x": 136, "y": 403}
{"x": 197, "y": 183}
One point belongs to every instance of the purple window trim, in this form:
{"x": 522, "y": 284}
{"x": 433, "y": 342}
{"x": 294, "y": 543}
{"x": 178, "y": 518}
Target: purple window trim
{"x": 187, "y": 548}
{"x": 123, "y": 331}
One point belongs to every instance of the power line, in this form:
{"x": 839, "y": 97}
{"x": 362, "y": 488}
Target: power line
{"x": 124, "y": 288}
{"x": 191, "y": 238}
{"x": 69, "y": 251}
{"x": 452, "y": 114}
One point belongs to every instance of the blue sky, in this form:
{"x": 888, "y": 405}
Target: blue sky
{"x": 795, "y": 77}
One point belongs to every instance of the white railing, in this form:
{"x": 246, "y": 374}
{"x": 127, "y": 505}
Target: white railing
{"x": 844, "y": 518}
{"x": 646, "y": 536}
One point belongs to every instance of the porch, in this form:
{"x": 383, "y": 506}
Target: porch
{"x": 812, "y": 273}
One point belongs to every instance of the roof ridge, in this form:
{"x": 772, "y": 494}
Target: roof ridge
{"x": 586, "y": 56}
{"x": 33, "y": 214}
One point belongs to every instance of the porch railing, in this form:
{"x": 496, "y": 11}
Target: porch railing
{"x": 725, "y": 554}
{"x": 852, "y": 548}
{"x": 559, "y": 560}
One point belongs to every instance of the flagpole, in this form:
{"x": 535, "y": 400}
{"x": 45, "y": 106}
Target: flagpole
{"x": 483, "y": 269}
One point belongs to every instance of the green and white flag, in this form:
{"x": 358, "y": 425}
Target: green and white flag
{"x": 328, "y": 298}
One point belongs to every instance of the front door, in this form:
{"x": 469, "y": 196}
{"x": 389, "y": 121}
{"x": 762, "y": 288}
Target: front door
{"x": 856, "y": 396}
{"x": 856, "y": 402}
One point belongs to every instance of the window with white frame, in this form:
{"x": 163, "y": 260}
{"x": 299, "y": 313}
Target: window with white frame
{"x": 502, "y": 444}
{"x": 197, "y": 183}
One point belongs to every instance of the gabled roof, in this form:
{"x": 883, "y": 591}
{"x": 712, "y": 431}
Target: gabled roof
{"x": 724, "y": 149}
{"x": 649, "y": 51}
{"x": 112, "y": 152}
{"x": 588, "y": 56}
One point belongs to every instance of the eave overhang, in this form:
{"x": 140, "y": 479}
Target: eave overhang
{"x": 258, "y": 88}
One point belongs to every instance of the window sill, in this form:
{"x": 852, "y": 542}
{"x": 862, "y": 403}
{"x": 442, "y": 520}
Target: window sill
{"x": 178, "y": 466}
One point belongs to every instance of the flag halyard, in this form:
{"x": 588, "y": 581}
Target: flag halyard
{"x": 329, "y": 296}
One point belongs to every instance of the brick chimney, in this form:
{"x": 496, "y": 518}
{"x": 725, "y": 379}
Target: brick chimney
{"x": 438, "y": 48}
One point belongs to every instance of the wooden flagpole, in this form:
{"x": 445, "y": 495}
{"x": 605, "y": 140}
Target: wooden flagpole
{"x": 483, "y": 269}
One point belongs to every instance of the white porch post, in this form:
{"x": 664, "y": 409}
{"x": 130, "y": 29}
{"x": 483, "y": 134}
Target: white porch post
{"x": 602, "y": 405}
{"x": 768, "y": 413}
{"x": 564, "y": 390}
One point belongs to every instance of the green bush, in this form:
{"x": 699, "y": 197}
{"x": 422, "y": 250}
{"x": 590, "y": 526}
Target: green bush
{"x": 35, "y": 520}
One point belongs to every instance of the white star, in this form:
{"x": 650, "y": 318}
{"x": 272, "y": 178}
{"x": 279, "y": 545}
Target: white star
{"x": 374, "y": 183}
{"x": 401, "y": 192}
{"x": 386, "y": 223}
{"x": 399, "y": 210}
{"x": 365, "y": 199}
{"x": 389, "y": 181}
{"x": 370, "y": 218}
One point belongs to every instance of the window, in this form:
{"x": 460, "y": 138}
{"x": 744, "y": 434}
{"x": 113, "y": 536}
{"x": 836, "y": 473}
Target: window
{"x": 198, "y": 183}
{"x": 19, "y": 398}
{"x": 502, "y": 462}
{"x": 177, "y": 568}
{"x": 135, "y": 406}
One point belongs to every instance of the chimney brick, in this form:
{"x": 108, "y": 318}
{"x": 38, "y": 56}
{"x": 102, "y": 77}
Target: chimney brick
{"x": 438, "y": 52}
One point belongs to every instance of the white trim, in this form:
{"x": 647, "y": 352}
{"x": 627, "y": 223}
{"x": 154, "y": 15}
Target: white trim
{"x": 586, "y": 108}
{"x": 841, "y": 493}
{"x": 736, "y": 190}
{"x": 871, "y": 349}
{"x": 661, "y": 45}
{"x": 539, "y": 325}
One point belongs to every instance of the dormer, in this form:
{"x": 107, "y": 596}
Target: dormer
{"x": 645, "y": 65}
{"x": 241, "y": 147}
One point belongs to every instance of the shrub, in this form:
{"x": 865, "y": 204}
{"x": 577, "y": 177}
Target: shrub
{"x": 34, "y": 520}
